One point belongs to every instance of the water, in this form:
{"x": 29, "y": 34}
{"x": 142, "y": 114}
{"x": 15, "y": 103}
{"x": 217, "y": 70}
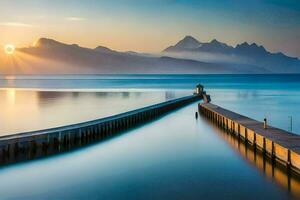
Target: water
{"x": 275, "y": 97}
{"x": 176, "y": 157}
{"x": 280, "y": 106}
{"x": 273, "y": 82}
{"x": 28, "y": 110}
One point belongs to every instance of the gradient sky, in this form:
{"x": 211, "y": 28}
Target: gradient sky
{"x": 152, "y": 25}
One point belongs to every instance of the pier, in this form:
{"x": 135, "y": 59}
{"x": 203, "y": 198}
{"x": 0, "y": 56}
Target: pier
{"x": 279, "y": 145}
{"x": 35, "y": 144}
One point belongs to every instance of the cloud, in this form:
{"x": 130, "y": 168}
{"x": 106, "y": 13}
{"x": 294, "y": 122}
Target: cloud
{"x": 16, "y": 24}
{"x": 75, "y": 18}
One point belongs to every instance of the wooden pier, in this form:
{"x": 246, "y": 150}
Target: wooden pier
{"x": 279, "y": 145}
{"x": 29, "y": 145}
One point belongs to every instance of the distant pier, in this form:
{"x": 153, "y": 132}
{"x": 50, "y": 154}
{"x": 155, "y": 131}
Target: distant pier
{"x": 279, "y": 145}
{"x": 30, "y": 145}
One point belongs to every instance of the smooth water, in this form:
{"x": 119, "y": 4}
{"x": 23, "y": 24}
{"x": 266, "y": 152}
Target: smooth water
{"x": 275, "y": 97}
{"x": 176, "y": 157}
{"x": 28, "y": 110}
{"x": 281, "y": 107}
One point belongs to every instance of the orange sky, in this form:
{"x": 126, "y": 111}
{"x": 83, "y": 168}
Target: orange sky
{"x": 151, "y": 25}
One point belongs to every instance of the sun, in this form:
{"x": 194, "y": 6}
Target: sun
{"x": 9, "y": 49}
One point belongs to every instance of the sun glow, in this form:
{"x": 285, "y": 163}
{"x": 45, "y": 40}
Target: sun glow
{"x": 9, "y": 49}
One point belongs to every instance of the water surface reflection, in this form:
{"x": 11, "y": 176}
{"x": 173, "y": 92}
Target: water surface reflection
{"x": 176, "y": 157}
{"x": 27, "y": 110}
{"x": 272, "y": 170}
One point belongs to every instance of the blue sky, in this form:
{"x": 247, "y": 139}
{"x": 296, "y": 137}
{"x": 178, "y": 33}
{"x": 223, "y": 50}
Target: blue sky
{"x": 151, "y": 25}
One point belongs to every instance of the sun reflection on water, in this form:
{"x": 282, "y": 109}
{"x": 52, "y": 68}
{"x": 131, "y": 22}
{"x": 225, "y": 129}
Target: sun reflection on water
{"x": 11, "y": 96}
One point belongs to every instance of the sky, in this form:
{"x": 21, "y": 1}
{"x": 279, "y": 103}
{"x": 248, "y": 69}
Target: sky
{"x": 152, "y": 25}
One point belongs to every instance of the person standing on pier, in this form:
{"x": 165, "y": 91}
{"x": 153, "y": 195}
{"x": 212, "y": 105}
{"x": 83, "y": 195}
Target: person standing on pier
{"x": 265, "y": 123}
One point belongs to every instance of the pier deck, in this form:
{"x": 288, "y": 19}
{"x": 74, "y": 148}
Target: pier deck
{"x": 29, "y": 145}
{"x": 279, "y": 144}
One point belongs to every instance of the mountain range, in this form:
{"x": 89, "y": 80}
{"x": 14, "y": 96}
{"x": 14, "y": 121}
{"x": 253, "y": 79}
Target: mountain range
{"x": 54, "y": 57}
{"x": 245, "y": 53}
{"x": 75, "y": 59}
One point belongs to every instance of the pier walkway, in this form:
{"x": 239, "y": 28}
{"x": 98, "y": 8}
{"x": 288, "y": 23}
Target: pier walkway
{"x": 278, "y": 144}
{"x": 29, "y": 145}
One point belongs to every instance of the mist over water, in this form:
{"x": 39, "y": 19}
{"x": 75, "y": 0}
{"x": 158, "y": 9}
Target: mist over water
{"x": 208, "y": 57}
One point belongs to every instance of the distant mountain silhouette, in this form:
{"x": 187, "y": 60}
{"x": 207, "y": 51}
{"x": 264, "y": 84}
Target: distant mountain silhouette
{"x": 251, "y": 54}
{"x": 75, "y": 59}
{"x": 51, "y": 56}
{"x": 104, "y": 49}
{"x": 187, "y": 43}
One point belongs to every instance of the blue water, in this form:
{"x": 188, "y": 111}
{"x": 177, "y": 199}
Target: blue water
{"x": 177, "y": 157}
{"x": 280, "y": 106}
{"x": 275, "y": 96}
{"x": 249, "y": 81}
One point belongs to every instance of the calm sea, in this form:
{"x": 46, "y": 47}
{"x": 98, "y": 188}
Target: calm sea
{"x": 176, "y": 157}
{"x": 36, "y": 102}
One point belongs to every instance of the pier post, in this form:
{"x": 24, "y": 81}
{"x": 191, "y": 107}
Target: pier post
{"x": 265, "y": 123}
